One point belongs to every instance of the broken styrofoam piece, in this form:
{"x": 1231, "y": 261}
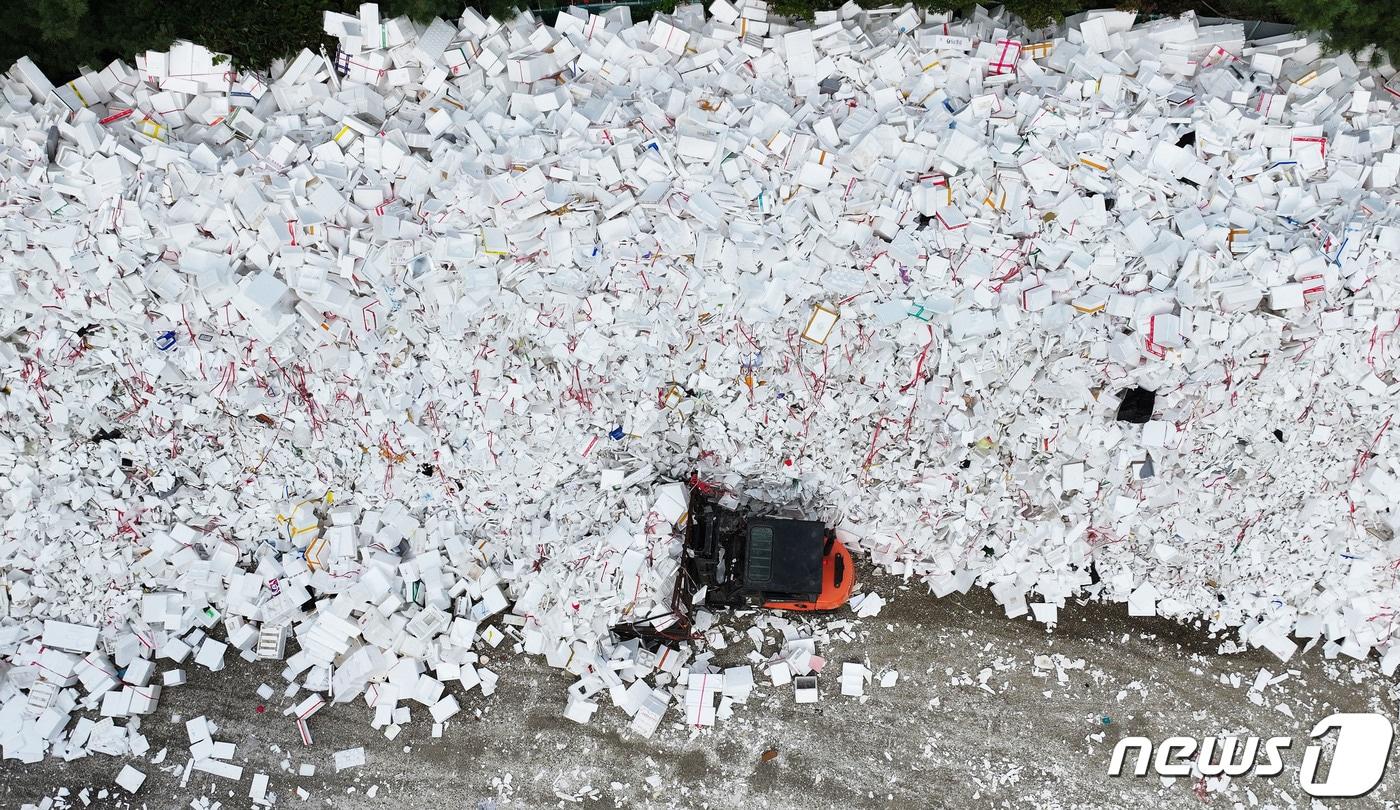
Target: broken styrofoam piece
{"x": 702, "y": 690}
{"x": 868, "y": 604}
{"x": 215, "y": 767}
{"x": 130, "y": 779}
{"x": 853, "y": 678}
{"x": 257, "y": 789}
{"x": 349, "y": 758}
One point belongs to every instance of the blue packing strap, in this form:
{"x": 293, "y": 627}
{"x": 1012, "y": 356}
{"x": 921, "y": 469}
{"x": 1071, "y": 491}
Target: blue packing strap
{"x": 1336, "y": 260}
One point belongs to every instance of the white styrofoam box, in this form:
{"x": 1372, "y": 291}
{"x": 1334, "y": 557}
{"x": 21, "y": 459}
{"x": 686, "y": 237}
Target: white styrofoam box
{"x": 1286, "y": 296}
{"x": 67, "y": 636}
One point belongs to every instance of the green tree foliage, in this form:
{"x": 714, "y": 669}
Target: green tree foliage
{"x": 61, "y": 35}
{"x": 1347, "y": 25}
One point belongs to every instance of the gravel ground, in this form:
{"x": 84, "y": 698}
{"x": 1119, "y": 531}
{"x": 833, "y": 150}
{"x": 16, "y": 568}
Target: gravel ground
{"x": 971, "y": 722}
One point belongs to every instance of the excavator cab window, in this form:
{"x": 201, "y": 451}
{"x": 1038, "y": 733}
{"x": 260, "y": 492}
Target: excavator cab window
{"x": 760, "y": 556}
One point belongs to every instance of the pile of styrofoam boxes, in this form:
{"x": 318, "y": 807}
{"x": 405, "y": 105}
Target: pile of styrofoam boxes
{"x": 387, "y": 352}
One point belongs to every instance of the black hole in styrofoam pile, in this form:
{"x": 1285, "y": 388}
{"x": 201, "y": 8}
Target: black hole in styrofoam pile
{"x": 1136, "y": 405}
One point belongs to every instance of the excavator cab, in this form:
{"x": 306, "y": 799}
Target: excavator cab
{"x": 743, "y": 559}
{"x": 735, "y": 558}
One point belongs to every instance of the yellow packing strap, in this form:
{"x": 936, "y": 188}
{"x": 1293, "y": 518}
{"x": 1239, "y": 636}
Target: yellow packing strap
{"x": 151, "y": 129}
{"x": 74, "y": 87}
{"x": 313, "y": 553}
{"x": 1038, "y": 50}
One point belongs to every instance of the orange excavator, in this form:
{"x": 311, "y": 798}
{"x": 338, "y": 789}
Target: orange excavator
{"x": 734, "y": 559}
